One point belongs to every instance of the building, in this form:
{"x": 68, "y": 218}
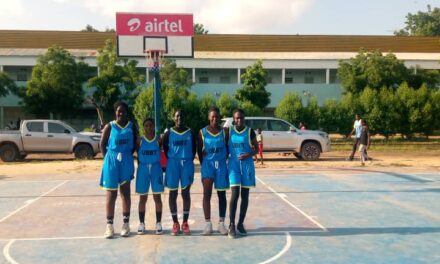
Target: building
{"x": 303, "y": 64}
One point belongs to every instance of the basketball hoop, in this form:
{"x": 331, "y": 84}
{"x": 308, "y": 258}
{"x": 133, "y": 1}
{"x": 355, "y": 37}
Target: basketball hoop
{"x": 154, "y": 59}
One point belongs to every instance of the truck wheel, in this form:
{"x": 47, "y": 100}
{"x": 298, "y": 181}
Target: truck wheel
{"x": 8, "y": 153}
{"x": 83, "y": 151}
{"x": 310, "y": 151}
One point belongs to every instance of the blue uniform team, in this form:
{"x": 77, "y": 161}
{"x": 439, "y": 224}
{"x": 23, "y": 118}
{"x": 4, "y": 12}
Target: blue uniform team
{"x": 226, "y": 163}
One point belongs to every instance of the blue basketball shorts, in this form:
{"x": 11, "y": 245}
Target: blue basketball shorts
{"x": 116, "y": 171}
{"x": 241, "y": 173}
{"x": 149, "y": 174}
{"x": 217, "y": 170}
{"x": 179, "y": 170}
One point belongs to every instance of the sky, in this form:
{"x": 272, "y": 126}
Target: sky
{"x": 304, "y": 17}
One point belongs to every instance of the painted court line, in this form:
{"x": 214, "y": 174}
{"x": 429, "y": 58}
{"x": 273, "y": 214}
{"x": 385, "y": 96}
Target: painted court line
{"x": 282, "y": 252}
{"x": 293, "y": 206}
{"x": 6, "y": 252}
{"x": 134, "y": 235}
{"x": 27, "y": 203}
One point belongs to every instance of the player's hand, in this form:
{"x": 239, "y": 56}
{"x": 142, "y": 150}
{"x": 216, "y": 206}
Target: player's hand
{"x": 244, "y": 156}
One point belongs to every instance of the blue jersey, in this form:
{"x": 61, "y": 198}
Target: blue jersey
{"x": 180, "y": 145}
{"x": 121, "y": 138}
{"x": 239, "y": 142}
{"x": 214, "y": 145}
{"x": 149, "y": 151}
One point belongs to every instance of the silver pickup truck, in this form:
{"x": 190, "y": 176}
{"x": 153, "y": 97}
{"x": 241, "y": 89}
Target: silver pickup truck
{"x": 47, "y": 136}
{"x": 281, "y": 136}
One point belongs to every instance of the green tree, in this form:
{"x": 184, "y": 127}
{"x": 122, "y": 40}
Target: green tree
{"x": 227, "y": 104}
{"x": 254, "y": 82}
{"x": 117, "y": 80}
{"x": 350, "y": 106}
{"x": 89, "y": 28}
{"x": 175, "y": 94}
{"x": 417, "y": 110}
{"x": 290, "y": 108}
{"x": 422, "y": 24}
{"x": 173, "y": 76}
{"x": 206, "y": 102}
{"x": 143, "y": 107}
{"x": 7, "y": 85}
{"x": 435, "y": 101}
{"x": 199, "y": 29}
{"x": 371, "y": 69}
{"x": 419, "y": 76}
{"x": 56, "y": 84}
{"x": 250, "y": 109}
{"x": 381, "y": 110}
{"x": 332, "y": 117}
{"x": 311, "y": 114}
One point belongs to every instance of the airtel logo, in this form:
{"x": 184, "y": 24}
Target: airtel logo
{"x": 134, "y": 24}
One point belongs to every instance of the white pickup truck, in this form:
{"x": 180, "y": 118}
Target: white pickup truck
{"x": 47, "y": 136}
{"x": 281, "y": 136}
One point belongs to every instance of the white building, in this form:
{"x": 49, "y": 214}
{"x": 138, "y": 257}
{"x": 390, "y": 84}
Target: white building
{"x": 305, "y": 64}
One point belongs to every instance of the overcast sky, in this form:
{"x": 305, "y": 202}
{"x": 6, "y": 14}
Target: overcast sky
{"x": 314, "y": 17}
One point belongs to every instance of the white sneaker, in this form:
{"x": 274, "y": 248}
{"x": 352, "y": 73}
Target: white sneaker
{"x": 109, "y": 231}
{"x": 208, "y": 229}
{"x": 125, "y": 231}
{"x": 222, "y": 228}
{"x": 141, "y": 229}
{"x": 159, "y": 230}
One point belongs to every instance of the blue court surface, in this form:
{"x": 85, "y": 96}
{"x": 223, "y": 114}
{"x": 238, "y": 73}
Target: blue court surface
{"x": 346, "y": 215}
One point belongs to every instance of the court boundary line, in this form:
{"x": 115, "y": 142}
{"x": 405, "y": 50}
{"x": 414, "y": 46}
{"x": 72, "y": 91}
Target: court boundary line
{"x": 6, "y": 249}
{"x": 29, "y": 202}
{"x": 153, "y": 235}
{"x": 293, "y": 206}
{"x": 283, "y": 251}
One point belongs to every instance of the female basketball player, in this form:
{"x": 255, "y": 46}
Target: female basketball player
{"x": 212, "y": 152}
{"x": 180, "y": 147}
{"x": 242, "y": 147}
{"x": 149, "y": 172}
{"x": 117, "y": 147}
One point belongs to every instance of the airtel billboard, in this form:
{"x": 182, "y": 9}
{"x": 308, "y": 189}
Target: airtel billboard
{"x": 142, "y": 24}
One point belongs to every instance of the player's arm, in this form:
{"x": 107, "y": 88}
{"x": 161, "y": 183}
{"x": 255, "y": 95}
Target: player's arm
{"x": 226, "y": 131}
{"x": 254, "y": 143}
{"x": 104, "y": 139}
{"x": 135, "y": 138}
{"x": 194, "y": 144}
{"x": 352, "y": 131}
{"x": 200, "y": 146}
{"x": 165, "y": 143}
{"x": 369, "y": 138}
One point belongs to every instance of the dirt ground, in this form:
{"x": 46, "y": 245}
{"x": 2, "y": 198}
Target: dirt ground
{"x": 52, "y": 164}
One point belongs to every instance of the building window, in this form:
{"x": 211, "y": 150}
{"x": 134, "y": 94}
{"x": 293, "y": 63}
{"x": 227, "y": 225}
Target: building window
{"x": 288, "y": 80}
{"x": 203, "y": 79}
{"x": 225, "y": 79}
{"x": 268, "y": 79}
{"x": 334, "y": 76}
{"x": 22, "y": 75}
{"x": 309, "y": 79}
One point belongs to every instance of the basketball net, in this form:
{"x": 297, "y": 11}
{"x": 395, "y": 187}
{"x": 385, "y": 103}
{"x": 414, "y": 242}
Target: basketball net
{"x": 154, "y": 59}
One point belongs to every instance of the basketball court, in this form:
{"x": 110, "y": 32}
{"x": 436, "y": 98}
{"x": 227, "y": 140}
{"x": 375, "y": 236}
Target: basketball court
{"x": 295, "y": 216}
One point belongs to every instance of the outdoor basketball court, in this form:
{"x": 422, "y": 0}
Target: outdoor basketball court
{"x": 295, "y": 216}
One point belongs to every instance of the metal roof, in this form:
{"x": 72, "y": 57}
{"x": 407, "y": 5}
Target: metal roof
{"x": 31, "y": 39}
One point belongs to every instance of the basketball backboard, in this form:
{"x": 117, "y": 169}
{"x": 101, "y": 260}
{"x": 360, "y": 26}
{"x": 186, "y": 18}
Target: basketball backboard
{"x": 137, "y": 32}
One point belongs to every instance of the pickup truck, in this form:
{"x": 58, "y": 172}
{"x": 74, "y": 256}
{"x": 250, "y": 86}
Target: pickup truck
{"x": 281, "y": 136}
{"x": 47, "y": 136}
